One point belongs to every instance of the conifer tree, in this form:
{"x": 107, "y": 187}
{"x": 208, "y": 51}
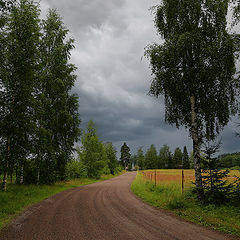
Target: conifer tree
{"x": 125, "y": 155}
{"x": 186, "y": 162}
{"x": 177, "y": 158}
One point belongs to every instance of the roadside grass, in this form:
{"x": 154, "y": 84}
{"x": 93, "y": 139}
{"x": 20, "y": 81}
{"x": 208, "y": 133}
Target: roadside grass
{"x": 167, "y": 195}
{"x": 19, "y": 197}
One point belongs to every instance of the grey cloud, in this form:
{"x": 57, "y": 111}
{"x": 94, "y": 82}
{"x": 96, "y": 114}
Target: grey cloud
{"x": 81, "y": 14}
{"x": 113, "y": 81}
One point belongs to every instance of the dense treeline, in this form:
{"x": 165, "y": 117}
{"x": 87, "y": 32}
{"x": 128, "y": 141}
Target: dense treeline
{"x": 229, "y": 160}
{"x": 39, "y": 115}
{"x": 164, "y": 159}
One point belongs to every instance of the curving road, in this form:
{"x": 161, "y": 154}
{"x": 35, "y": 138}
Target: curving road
{"x": 102, "y": 211}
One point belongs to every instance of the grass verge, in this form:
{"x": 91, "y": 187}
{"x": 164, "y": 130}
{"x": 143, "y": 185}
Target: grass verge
{"x": 168, "y": 196}
{"x": 19, "y": 197}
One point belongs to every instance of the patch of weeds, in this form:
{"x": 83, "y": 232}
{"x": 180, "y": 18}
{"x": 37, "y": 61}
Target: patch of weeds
{"x": 223, "y": 218}
{"x": 150, "y": 186}
{"x": 176, "y": 203}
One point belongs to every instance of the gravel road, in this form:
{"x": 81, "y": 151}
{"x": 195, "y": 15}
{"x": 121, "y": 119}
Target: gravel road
{"x": 102, "y": 211}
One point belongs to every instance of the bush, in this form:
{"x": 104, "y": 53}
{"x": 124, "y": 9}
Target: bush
{"x": 176, "y": 203}
{"x": 105, "y": 170}
{"x": 75, "y": 169}
{"x": 117, "y": 170}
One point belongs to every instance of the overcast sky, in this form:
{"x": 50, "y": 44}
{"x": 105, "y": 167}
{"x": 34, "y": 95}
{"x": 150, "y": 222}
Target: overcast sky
{"x": 114, "y": 77}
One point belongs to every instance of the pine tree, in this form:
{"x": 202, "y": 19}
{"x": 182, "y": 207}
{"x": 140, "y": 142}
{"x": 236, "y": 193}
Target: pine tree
{"x": 186, "y": 162}
{"x": 125, "y": 155}
{"x": 217, "y": 188}
{"x": 177, "y": 158}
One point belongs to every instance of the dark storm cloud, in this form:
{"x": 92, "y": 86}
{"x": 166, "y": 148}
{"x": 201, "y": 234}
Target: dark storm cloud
{"x": 231, "y": 143}
{"x": 113, "y": 81}
{"x": 83, "y": 14}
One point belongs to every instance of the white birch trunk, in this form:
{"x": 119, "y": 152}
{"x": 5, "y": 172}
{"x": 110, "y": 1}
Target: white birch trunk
{"x": 196, "y": 149}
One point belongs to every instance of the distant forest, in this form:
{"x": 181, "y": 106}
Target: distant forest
{"x": 229, "y": 160}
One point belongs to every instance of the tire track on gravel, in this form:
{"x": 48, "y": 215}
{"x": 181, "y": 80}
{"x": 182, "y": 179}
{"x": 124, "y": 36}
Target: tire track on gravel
{"x": 103, "y": 211}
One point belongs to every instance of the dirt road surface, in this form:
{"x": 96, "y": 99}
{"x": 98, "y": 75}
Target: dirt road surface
{"x": 102, "y": 211}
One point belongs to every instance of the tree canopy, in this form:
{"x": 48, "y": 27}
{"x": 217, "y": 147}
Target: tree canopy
{"x": 151, "y": 158}
{"x": 39, "y": 115}
{"x": 194, "y": 68}
{"x": 125, "y": 155}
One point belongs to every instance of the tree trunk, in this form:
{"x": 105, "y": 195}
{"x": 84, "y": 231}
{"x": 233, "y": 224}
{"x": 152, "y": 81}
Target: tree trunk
{"x": 16, "y": 181}
{"x": 38, "y": 175}
{"x": 196, "y": 150}
{"x": 21, "y": 177}
{"x": 7, "y": 160}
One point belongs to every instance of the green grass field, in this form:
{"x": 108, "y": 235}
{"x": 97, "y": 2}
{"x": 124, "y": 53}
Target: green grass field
{"x": 167, "y": 195}
{"x": 19, "y": 197}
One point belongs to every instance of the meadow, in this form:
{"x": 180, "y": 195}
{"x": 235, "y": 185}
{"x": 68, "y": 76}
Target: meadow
{"x": 164, "y": 176}
{"x": 167, "y": 194}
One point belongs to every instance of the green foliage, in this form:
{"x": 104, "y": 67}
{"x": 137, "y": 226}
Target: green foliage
{"x": 190, "y": 62}
{"x": 224, "y": 218}
{"x": 125, "y": 155}
{"x": 75, "y": 169}
{"x": 111, "y": 157}
{"x": 133, "y": 162}
{"x": 151, "y": 158}
{"x": 215, "y": 184}
{"x": 229, "y": 160}
{"x": 165, "y": 158}
{"x": 97, "y": 157}
{"x": 177, "y": 158}
{"x": 140, "y": 158}
{"x": 91, "y": 153}
{"x": 19, "y": 79}
{"x": 57, "y": 109}
{"x": 118, "y": 170}
{"x": 39, "y": 116}
{"x": 194, "y": 68}
{"x": 186, "y": 161}
{"x": 218, "y": 189}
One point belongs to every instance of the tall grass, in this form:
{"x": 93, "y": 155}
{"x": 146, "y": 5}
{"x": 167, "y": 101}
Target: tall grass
{"x": 167, "y": 195}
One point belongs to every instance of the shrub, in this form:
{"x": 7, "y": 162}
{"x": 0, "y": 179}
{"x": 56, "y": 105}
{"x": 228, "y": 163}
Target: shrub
{"x": 176, "y": 203}
{"x": 75, "y": 169}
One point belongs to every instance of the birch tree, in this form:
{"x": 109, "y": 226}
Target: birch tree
{"x": 194, "y": 68}
{"x": 20, "y": 76}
